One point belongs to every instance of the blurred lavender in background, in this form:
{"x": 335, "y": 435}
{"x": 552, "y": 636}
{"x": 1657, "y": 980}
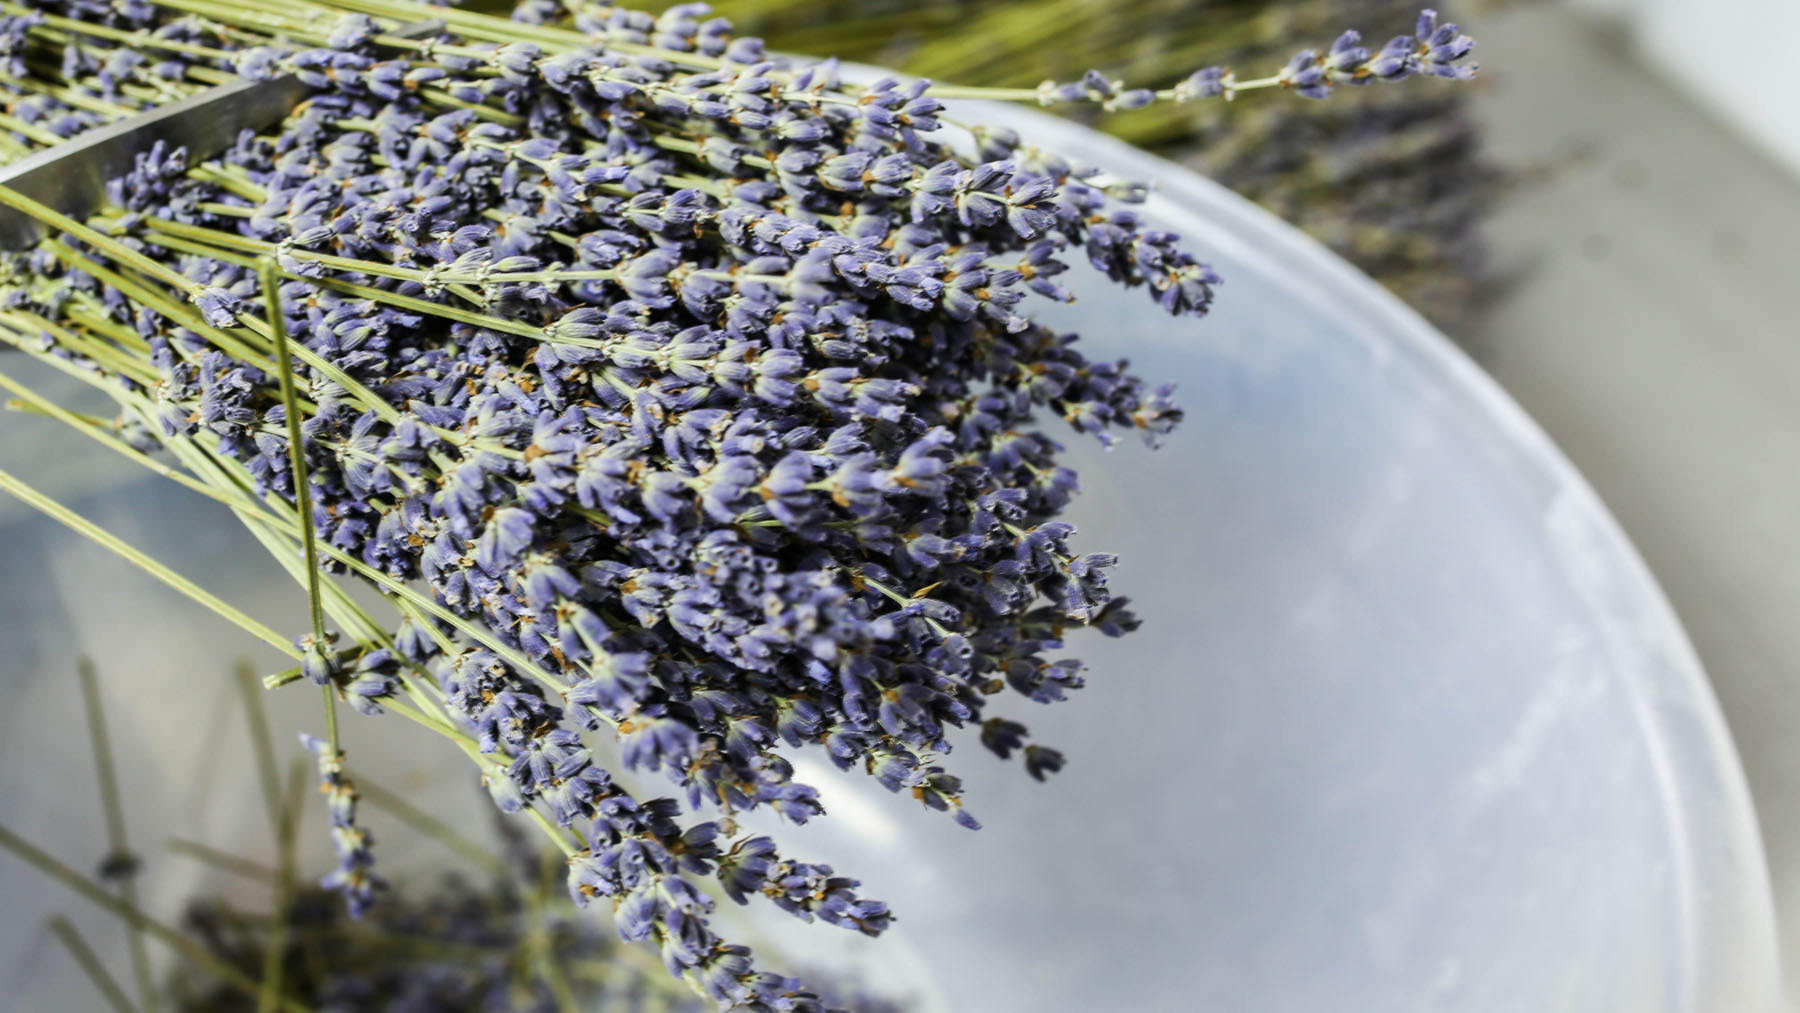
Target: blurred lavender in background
{"x": 1396, "y": 181}
{"x": 463, "y": 945}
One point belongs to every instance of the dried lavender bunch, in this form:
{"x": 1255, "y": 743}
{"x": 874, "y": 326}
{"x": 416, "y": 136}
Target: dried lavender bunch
{"x": 1394, "y": 180}
{"x": 680, "y": 398}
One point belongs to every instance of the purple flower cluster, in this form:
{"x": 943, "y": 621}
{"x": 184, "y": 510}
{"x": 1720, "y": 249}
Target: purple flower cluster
{"x": 695, "y": 386}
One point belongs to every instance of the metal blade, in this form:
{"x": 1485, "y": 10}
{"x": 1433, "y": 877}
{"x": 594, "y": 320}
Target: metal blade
{"x": 71, "y": 177}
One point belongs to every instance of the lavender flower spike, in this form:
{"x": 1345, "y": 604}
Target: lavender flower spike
{"x": 353, "y": 877}
{"x": 1438, "y": 50}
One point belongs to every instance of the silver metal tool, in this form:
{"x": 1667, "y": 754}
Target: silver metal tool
{"x": 71, "y": 177}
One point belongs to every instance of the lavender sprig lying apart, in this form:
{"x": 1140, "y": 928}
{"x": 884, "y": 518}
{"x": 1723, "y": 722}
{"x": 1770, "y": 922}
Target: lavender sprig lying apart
{"x": 678, "y": 397}
{"x": 1395, "y": 180}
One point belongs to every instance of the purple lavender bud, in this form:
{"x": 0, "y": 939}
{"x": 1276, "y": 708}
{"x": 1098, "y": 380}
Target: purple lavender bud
{"x": 518, "y": 62}
{"x": 1305, "y": 75}
{"x": 1441, "y": 47}
{"x": 1345, "y": 57}
{"x": 218, "y": 306}
{"x": 651, "y": 742}
{"x": 1133, "y": 98}
{"x": 1041, "y": 761}
{"x": 351, "y": 31}
{"x": 1395, "y": 60}
{"x": 259, "y": 63}
{"x": 503, "y": 542}
{"x": 318, "y": 660}
{"x": 1208, "y": 82}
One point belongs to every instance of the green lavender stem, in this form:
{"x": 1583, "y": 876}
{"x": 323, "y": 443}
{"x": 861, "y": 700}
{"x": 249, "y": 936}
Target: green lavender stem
{"x": 271, "y": 287}
{"x": 262, "y": 745}
{"x": 287, "y": 830}
{"x": 280, "y": 822}
{"x": 225, "y": 861}
{"x": 430, "y": 826}
{"x": 84, "y": 955}
{"x": 88, "y": 529}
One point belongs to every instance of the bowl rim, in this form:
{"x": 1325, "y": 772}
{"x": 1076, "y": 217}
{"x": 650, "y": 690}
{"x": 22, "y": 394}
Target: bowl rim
{"x": 1728, "y": 839}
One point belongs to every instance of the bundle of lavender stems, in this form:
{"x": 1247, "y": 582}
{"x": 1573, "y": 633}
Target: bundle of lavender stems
{"x": 681, "y": 400}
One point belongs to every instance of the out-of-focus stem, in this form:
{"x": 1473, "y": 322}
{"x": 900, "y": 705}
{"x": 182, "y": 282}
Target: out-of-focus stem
{"x": 84, "y": 955}
{"x": 118, "y": 846}
{"x": 92, "y": 892}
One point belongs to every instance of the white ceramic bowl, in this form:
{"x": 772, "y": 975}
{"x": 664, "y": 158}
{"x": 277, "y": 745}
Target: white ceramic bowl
{"x": 1409, "y": 725}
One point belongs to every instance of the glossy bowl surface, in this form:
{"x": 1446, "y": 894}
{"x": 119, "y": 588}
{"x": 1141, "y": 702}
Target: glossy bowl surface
{"x": 1409, "y": 725}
